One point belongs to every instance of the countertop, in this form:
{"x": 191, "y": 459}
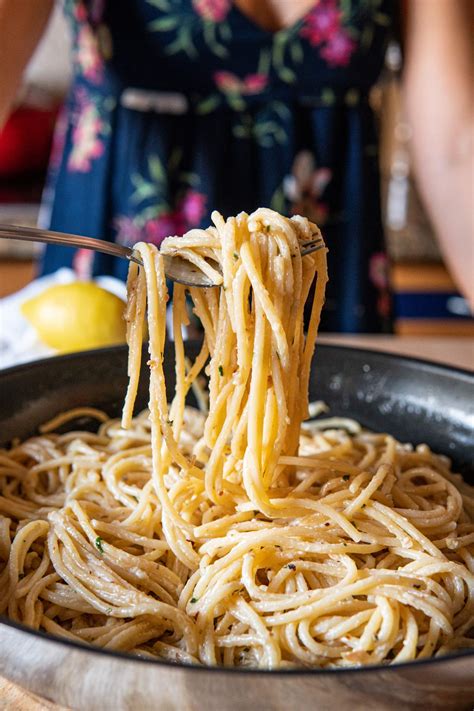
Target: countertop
{"x": 454, "y": 351}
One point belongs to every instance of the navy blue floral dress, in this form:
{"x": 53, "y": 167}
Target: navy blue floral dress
{"x": 182, "y": 106}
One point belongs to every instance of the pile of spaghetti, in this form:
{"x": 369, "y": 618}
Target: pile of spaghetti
{"x": 236, "y": 534}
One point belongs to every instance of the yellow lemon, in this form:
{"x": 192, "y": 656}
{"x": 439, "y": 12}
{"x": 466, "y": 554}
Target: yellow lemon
{"x": 77, "y": 316}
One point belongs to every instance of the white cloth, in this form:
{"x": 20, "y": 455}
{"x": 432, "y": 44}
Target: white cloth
{"x": 19, "y": 342}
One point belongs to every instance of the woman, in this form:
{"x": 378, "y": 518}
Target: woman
{"x": 182, "y": 106}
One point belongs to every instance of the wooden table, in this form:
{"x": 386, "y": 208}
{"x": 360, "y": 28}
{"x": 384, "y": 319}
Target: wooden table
{"x": 455, "y": 351}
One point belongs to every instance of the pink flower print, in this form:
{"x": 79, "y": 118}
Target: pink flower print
{"x": 378, "y": 270}
{"x": 193, "y": 207}
{"x": 80, "y": 12}
{"x": 85, "y": 140}
{"x": 166, "y": 225}
{"x": 231, "y": 84}
{"x": 322, "y": 22}
{"x": 128, "y": 230}
{"x": 254, "y": 83}
{"x": 227, "y": 82}
{"x": 212, "y": 10}
{"x": 338, "y": 50}
{"x": 88, "y": 55}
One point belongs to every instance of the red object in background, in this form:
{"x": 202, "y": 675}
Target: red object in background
{"x": 25, "y": 141}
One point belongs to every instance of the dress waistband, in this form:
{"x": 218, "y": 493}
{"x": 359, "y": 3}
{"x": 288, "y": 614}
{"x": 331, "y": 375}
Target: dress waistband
{"x": 178, "y": 103}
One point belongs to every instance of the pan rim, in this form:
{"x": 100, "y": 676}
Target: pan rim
{"x": 303, "y": 671}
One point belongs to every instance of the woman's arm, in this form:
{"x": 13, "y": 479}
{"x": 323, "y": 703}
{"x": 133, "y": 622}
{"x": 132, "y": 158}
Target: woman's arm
{"x": 439, "y": 85}
{"x": 22, "y": 23}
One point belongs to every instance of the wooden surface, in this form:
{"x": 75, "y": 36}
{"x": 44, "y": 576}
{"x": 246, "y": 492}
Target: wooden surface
{"x": 13, "y": 698}
{"x": 14, "y": 275}
{"x": 442, "y": 349}
{"x": 455, "y": 351}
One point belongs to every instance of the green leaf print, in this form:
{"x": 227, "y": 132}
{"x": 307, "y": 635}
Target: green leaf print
{"x": 153, "y": 211}
{"x": 280, "y": 109}
{"x": 189, "y": 178}
{"x": 162, "y": 24}
{"x": 160, "y": 4}
{"x": 328, "y": 97}
{"x": 143, "y": 189}
{"x": 296, "y": 51}
{"x": 210, "y": 29}
{"x": 283, "y": 41}
{"x": 226, "y": 32}
{"x": 287, "y": 75}
{"x": 235, "y": 102}
{"x": 156, "y": 170}
{"x": 346, "y": 9}
{"x": 268, "y": 132}
{"x": 207, "y": 105}
{"x": 278, "y": 51}
{"x": 183, "y": 43}
{"x": 264, "y": 62}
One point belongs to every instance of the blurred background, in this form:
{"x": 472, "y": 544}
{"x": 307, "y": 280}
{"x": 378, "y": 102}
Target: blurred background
{"x": 426, "y": 301}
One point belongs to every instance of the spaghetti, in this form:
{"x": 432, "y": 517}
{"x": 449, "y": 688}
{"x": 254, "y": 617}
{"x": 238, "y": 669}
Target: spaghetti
{"x": 236, "y": 534}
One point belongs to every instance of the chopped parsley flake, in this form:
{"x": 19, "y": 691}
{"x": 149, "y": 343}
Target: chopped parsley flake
{"x": 236, "y": 256}
{"x": 221, "y": 370}
{"x": 291, "y": 566}
{"x": 98, "y": 544}
{"x": 193, "y": 600}
{"x": 108, "y": 611}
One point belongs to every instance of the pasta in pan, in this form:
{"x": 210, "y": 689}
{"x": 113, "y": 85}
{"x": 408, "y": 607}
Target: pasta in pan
{"x": 238, "y": 534}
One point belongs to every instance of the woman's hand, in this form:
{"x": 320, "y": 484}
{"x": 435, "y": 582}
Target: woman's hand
{"x": 22, "y": 23}
{"x": 439, "y": 86}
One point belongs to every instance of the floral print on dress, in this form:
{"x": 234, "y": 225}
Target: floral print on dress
{"x": 268, "y": 92}
{"x": 231, "y": 84}
{"x": 323, "y": 28}
{"x": 266, "y": 127}
{"x": 155, "y": 217}
{"x": 184, "y": 21}
{"x": 212, "y": 10}
{"x": 87, "y": 55}
{"x": 232, "y": 90}
{"x": 86, "y": 139}
{"x": 90, "y": 123}
{"x": 305, "y": 186}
